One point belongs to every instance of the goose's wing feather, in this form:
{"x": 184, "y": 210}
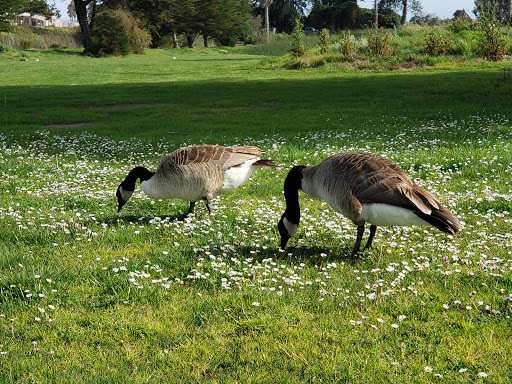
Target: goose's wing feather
{"x": 375, "y": 179}
{"x": 224, "y": 157}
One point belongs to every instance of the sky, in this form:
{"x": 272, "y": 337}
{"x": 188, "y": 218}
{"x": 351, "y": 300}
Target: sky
{"x": 443, "y": 9}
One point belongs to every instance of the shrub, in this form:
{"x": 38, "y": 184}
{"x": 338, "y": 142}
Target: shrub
{"x": 493, "y": 44}
{"x": 379, "y": 43}
{"x": 347, "y": 44}
{"x": 298, "y": 48}
{"x": 26, "y": 44}
{"x": 117, "y": 32}
{"x": 437, "y": 44}
{"x": 4, "y": 48}
{"x": 324, "y": 41}
{"x": 226, "y": 40}
{"x": 460, "y": 24}
{"x": 467, "y": 44}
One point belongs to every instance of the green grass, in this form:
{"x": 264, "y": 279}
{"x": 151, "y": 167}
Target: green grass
{"x": 89, "y": 295}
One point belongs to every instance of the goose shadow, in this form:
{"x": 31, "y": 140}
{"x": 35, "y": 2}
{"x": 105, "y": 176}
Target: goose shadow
{"x": 312, "y": 254}
{"x": 116, "y": 218}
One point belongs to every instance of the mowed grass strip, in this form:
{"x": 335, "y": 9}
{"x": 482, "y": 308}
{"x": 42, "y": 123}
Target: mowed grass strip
{"x": 147, "y": 295}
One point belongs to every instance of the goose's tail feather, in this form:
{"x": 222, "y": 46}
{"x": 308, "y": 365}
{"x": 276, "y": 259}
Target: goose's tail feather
{"x": 442, "y": 219}
{"x": 265, "y": 163}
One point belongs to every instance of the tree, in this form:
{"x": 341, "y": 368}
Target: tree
{"x": 223, "y": 20}
{"x": 335, "y": 15}
{"x": 83, "y": 20}
{"x": 402, "y": 5}
{"x": 376, "y": 20}
{"x": 71, "y": 11}
{"x": 283, "y": 14}
{"x": 265, "y": 4}
{"x": 8, "y": 11}
{"x": 504, "y": 7}
{"x": 41, "y": 7}
{"x": 461, "y": 14}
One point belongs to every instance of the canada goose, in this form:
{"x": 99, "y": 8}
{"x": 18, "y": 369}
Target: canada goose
{"x": 195, "y": 172}
{"x": 366, "y": 188}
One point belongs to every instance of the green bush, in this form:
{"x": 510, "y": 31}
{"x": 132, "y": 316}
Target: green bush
{"x": 298, "y": 48}
{"x": 228, "y": 40}
{"x": 493, "y": 43}
{"x": 467, "y": 44}
{"x": 459, "y": 25}
{"x": 4, "y": 48}
{"x": 379, "y": 43}
{"x": 438, "y": 44}
{"x": 117, "y": 32}
{"x": 348, "y": 44}
{"x": 324, "y": 41}
{"x": 26, "y": 44}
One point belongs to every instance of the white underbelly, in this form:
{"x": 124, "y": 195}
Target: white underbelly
{"x": 389, "y": 215}
{"x": 236, "y": 176}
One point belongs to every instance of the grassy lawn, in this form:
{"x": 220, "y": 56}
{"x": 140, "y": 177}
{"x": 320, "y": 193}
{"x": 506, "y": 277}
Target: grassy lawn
{"x": 89, "y": 295}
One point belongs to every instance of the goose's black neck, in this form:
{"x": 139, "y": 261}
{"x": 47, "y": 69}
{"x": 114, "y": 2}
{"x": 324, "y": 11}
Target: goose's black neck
{"x": 292, "y": 184}
{"x": 136, "y": 173}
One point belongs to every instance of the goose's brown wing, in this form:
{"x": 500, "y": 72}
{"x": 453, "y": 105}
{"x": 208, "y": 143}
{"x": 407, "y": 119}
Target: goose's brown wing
{"x": 224, "y": 157}
{"x": 375, "y": 179}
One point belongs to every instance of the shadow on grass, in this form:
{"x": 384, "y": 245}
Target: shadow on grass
{"x": 213, "y": 110}
{"x": 310, "y": 255}
{"x": 120, "y": 218}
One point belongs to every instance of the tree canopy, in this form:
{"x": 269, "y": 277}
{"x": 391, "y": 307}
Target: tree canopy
{"x": 40, "y": 7}
{"x": 503, "y": 8}
{"x": 404, "y": 6}
{"x": 8, "y": 10}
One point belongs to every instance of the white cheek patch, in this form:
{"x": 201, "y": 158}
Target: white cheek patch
{"x": 125, "y": 194}
{"x": 290, "y": 227}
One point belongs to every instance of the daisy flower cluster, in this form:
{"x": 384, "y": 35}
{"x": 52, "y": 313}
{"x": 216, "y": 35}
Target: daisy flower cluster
{"x": 237, "y": 249}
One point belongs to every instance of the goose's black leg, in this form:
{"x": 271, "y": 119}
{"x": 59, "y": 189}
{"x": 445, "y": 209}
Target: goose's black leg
{"x": 357, "y": 245}
{"x": 208, "y": 205}
{"x": 191, "y": 208}
{"x": 373, "y": 229}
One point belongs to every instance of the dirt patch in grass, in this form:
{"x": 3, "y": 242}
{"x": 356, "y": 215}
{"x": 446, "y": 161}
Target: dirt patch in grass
{"x": 118, "y": 106}
{"x": 69, "y": 125}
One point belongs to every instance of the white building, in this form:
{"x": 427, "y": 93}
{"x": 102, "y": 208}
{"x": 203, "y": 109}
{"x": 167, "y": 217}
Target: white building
{"x": 43, "y": 21}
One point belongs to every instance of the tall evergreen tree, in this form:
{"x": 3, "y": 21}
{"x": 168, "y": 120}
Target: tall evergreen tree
{"x": 8, "y": 11}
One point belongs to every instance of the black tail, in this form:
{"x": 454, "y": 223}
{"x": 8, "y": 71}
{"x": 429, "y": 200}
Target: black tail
{"x": 442, "y": 219}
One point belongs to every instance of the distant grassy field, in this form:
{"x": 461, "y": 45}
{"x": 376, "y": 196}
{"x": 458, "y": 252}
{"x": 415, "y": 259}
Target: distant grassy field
{"x": 89, "y": 295}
